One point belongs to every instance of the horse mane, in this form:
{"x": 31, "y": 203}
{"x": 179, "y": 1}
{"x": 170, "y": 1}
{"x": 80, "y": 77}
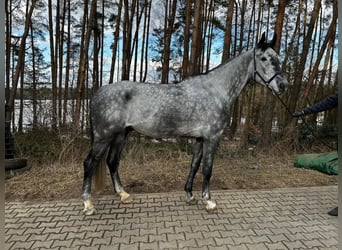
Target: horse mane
{"x": 222, "y": 64}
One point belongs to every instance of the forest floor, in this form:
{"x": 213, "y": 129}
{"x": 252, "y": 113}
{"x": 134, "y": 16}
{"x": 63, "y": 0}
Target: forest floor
{"x": 148, "y": 167}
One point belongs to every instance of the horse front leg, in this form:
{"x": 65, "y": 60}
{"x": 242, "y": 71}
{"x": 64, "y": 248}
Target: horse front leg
{"x": 209, "y": 150}
{"x": 195, "y": 163}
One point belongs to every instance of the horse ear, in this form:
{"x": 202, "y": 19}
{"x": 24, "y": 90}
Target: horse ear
{"x": 262, "y": 41}
{"x": 273, "y": 42}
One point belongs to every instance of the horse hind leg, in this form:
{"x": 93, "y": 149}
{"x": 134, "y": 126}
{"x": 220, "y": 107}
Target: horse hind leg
{"x": 90, "y": 164}
{"x": 195, "y": 163}
{"x": 113, "y": 161}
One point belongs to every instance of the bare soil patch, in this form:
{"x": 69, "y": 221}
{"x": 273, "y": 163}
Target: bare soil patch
{"x": 148, "y": 167}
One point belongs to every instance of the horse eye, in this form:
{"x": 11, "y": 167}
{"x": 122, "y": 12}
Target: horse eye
{"x": 263, "y": 59}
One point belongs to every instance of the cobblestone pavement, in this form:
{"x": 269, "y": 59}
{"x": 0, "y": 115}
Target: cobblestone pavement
{"x": 289, "y": 218}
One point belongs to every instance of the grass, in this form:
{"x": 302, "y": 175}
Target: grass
{"x": 149, "y": 167}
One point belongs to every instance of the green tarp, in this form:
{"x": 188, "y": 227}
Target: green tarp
{"x": 326, "y": 162}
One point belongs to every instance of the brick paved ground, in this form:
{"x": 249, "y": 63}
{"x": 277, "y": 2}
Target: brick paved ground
{"x": 289, "y": 218}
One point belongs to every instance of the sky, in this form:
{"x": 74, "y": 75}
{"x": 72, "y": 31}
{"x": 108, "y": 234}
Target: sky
{"x": 158, "y": 17}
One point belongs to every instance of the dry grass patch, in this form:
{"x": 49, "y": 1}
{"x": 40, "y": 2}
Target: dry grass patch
{"x": 148, "y": 167}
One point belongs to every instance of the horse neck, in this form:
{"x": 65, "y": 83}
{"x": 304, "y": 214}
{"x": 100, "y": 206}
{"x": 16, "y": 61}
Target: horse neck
{"x": 233, "y": 76}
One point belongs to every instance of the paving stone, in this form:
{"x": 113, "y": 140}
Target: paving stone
{"x": 205, "y": 242}
{"x": 22, "y": 245}
{"x": 275, "y": 246}
{"x": 62, "y": 243}
{"x": 168, "y": 245}
{"x": 296, "y": 244}
{"x": 19, "y": 238}
{"x": 132, "y": 246}
{"x": 287, "y": 218}
{"x": 81, "y": 242}
{"x": 148, "y": 246}
{"x": 42, "y": 244}
{"x": 60, "y": 236}
{"x": 142, "y": 238}
{"x": 156, "y": 238}
{"x": 119, "y": 240}
{"x": 101, "y": 241}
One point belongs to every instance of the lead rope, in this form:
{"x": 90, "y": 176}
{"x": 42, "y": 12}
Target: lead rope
{"x": 285, "y": 106}
{"x": 304, "y": 121}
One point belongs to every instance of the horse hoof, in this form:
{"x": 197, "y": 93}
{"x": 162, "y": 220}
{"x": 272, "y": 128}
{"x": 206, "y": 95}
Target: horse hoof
{"x": 126, "y": 198}
{"x": 212, "y": 210}
{"x": 191, "y": 200}
{"x": 89, "y": 208}
{"x": 90, "y": 211}
{"x": 211, "y": 207}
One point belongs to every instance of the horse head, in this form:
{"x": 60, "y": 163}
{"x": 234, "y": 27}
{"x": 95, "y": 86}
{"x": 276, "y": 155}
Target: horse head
{"x": 266, "y": 66}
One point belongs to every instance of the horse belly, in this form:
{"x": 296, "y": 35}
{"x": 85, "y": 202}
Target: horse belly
{"x": 166, "y": 128}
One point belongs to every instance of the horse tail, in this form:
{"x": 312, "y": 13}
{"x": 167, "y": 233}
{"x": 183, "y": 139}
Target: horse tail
{"x": 100, "y": 170}
{"x": 100, "y": 174}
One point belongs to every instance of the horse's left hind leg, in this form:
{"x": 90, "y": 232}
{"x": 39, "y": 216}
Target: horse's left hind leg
{"x": 91, "y": 162}
{"x": 113, "y": 160}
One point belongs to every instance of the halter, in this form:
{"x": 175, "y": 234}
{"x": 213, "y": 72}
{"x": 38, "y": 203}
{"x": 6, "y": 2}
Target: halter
{"x": 256, "y": 73}
{"x": 267, "y": 83}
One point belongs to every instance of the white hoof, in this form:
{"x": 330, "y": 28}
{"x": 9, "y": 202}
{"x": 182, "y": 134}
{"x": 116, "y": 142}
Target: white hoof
{"x": 90, "y": 211}
{"x": 191, "y": 200}
{"x": 89, "y": 208}
{"x": 211, "y": 206}
{"x": 125, "y": 197}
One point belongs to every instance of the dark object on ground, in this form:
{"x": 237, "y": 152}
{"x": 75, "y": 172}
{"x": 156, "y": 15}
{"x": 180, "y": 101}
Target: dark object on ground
{"x": 12, "y": 164}
{"x": 15, "y": 166}
{"x": 325, "y": 162}
{"x": 333, "y": 212}
{"x": 9, "y": 142}
{"x": 15, "y": 163}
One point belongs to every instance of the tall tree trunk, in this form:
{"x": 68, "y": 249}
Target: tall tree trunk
{"x": 228, "y": 31}
{"x": 168, "y": 30}
{"x": 144, "y": 49}
{"x": 34, "y": 83}
{"x": 147, "y": 36}
{"x": 301, "y": 66}
{"x": 21, "y": 100}
{"x": 194, "y": 67}
{"x": 126, "y": 42}
{"x": 96, "y": 48}
{"x": 127, "y": 38}
{"x": 67, "y": 66}
{"x": 20, "y": 63}
{"x": 8, "y": 11}
{"x": 242, "y": 24}
{"x": 236, "y": 110}
{"x": 60, "y": 64}
{"x": 314, "y": 71}
{"x": 116, "y": 41}
{"x": 251, "y": 29}
{"x": 53, "y": 64}
{"x": 136, "y": 43}
{"x": 82, "y": 74}
{"x": 292, "y": 51}
{"x": 185, "y": 63}
{"x": 21, "y": 92}
{"x": 102, "y": 42}
{"x": 270, "y": 98}
{"x": 210, "y": 36}
{"x": 134, "y": 49}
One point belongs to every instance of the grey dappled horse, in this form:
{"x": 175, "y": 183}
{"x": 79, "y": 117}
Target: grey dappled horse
{"x": 196, "y": 108}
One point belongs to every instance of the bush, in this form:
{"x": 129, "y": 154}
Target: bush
{"x": 327, "y": 131}
{"x": 44, "y": 146}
